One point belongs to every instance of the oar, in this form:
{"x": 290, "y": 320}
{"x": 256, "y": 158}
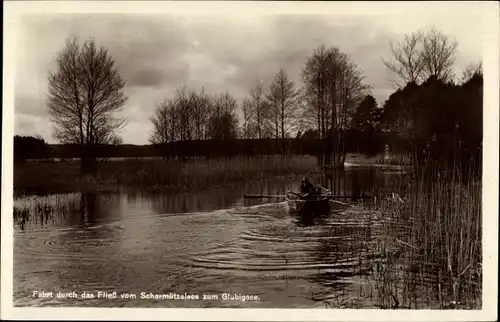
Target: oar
{"x": 331, "y": 196}
{"x": 351, "y": 197}
{"x": 321, "y": 196}
{"x": 262, "y": 196}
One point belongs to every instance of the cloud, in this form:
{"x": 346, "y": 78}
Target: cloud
{"x": 31, "y": 125}
{"x": 30, "y": 104}
{"x": 150, "y": 77}
{"x": 156, "y": 54}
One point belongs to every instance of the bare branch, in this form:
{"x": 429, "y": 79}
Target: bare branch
{"x": 283, "y": 101}
{"x": 406, "y": 63}
{"x": 84, "y": 95}
{"x": 438, "y": 55}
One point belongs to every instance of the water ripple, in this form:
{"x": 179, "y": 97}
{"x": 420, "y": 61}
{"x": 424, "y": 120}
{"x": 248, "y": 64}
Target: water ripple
{"x": 261, "y": 249}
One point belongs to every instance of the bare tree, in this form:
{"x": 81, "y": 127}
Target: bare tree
{"x": 84, "y": 96}
{"x": 183, "y": 105}
{"x": 116, "y": 140}
{"x": 313, "y": 76}
{"x": 260, "y": 108}
{"x": 223, "y": 122}
{"x": 163, "y": 124}
{"x": 248, "y": 127}
{"x": 351, "y": 91}
{"x": 200, "y": 111}
{"x": 407, "y": 61}
{"x": 182, "y": 118}
{"x": 421, "y": 55}
{"x": 333, "y": 87}
{"x": 283, "y": 101}
{"x": 274, "y": 111}
{"x": 438, "y": 55}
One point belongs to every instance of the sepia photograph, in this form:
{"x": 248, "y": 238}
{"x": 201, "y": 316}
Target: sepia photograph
{"x": 321, "y": 157}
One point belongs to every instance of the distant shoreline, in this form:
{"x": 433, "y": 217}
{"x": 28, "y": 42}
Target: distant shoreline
{"x": 157, "y": 174}
{"x": 42, "y": 177}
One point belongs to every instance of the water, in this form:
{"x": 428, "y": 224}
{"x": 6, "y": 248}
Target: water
{"x": 202, "y": 243}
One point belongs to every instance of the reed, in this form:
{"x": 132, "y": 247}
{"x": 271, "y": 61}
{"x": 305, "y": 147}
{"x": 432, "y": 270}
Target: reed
{"x": 201, "y": 172}
{"x": 431, "y": 250}
{"x": 42, "y": 210}
{"x": 21, "y": 216}
{"x": 155, "y": 173}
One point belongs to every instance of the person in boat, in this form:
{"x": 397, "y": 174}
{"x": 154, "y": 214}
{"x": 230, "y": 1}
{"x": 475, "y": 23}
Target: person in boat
{"x": 306, "y": 187}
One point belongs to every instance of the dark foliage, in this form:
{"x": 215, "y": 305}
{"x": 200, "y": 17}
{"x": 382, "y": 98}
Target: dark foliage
{"x": 441, "y": 121}
{"x": 365, "y": 134}
{"x": 28, "y": 147}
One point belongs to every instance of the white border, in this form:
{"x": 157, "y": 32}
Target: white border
{"x": 491, "y": 66}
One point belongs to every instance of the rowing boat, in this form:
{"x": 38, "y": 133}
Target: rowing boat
{"x": 319, "y": 202}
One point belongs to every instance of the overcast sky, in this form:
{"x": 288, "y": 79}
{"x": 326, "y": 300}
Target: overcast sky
{"x": 157, "y": 54}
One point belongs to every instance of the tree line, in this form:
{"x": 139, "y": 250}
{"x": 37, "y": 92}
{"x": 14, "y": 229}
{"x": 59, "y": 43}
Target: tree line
{"x": 29, "y": 147}
{"x": 193, "y": 116}
{"x": 332, "y": 87}
{"x": 436, "y": 113}
{"x": 303, "y": 144}
{"x": 430, "y": 111}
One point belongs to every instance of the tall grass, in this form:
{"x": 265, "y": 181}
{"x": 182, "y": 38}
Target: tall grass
{"x": 200, "y": 173}
{"x": 156, "y": 173}
{"x": 432, "y": 247}
{"x": 42, "y": 210}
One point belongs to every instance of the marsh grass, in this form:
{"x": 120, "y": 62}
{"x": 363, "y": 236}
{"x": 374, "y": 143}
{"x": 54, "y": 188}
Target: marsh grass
{"x": 202, "y": 172}
{"x": 41, "y": 210}
{"x": 155, "y": 173}
{"x": 430, "y": 249}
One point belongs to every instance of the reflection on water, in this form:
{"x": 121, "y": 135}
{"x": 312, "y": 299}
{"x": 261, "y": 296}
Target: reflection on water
{"x": 205, "y": 242}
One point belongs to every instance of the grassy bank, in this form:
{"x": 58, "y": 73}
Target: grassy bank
{"x": 433, "y": 251}
{"x": 52, "y": 177}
